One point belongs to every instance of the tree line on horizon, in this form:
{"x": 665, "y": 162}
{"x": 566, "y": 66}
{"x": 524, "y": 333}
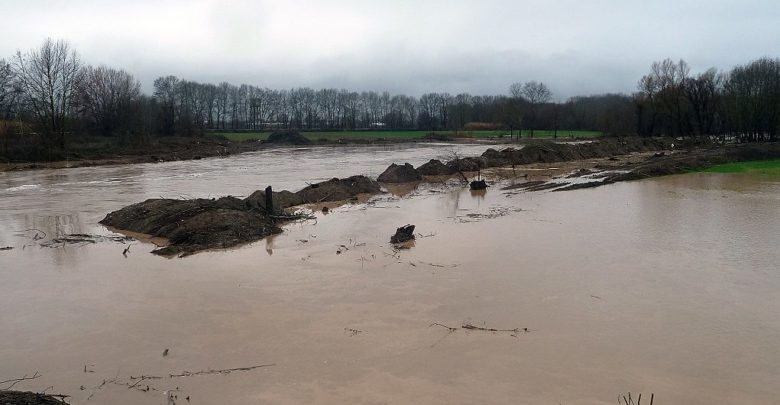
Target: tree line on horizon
{"x": 49, "y": 92}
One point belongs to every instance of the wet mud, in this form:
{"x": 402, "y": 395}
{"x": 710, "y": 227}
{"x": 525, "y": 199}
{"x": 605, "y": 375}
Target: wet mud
{"x": 28, "y": 398}
{"x": 193, "y": 225}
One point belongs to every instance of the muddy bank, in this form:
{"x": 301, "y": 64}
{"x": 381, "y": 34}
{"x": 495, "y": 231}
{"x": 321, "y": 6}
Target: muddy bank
{"x": 597, "y": 163}
{"x": 540, "y": 151}
{"x": 194, "y": 225}
{"x": 551, "y": 152}
{"x": 103, "y": 152}
{"x": 666, "y": 164}
{"x": 28, "y": 398}
{"x": 613, "y": 170}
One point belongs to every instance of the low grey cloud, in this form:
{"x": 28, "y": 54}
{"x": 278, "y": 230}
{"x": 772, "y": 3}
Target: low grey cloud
{"x": 410, "y": 47}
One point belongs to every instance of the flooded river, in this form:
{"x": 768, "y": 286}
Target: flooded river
{"x": 668, "y": 286}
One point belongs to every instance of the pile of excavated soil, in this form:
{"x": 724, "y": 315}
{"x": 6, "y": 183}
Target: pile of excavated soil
{"x": 27, "y": 398}
{"x": 287, "y": 138}
{"x": 435, "y": 167}
{"x": 405, "y": 173}
{"x": 199, "y": 224}
{"x": 551, "y": 152}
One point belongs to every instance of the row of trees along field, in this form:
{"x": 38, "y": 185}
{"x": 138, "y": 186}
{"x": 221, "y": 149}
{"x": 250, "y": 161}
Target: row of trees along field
{"x": 49, "y": 92}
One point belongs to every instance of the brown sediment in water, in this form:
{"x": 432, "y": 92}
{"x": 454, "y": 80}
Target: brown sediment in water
{"x": 666, "y": 285}
{"x": 195, "y": 225}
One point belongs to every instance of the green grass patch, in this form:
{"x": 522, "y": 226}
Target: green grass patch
{"x": 760, "y": 167}
{"x": 350, "y": 135}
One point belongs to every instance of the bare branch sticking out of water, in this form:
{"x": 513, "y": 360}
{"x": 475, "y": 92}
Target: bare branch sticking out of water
{"x": 81, "y": 239}
{"x": 186, "y": 373}
{"x": 443, "y": 326}
{"x": 623, "y": 400}
{"x": 37, "y": 235}
{"x": 353, "y": 332}
{"x": 15, "y": 381}
{"x": 468, "y": 326}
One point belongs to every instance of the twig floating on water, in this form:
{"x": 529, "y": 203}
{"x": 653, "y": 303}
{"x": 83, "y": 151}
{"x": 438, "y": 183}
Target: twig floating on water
{"x": 443, "y": 326}
{"x": 15, "y": 381}
{"x": 222, "y": 371}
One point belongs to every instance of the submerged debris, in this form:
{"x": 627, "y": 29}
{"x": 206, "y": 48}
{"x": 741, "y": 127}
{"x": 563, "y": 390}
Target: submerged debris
{"x": 83, "y": 238}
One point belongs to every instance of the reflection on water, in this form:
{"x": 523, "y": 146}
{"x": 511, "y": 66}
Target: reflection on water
{"x": 667, "y": 285}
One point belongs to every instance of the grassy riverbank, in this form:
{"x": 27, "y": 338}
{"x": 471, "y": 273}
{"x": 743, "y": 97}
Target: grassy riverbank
{"x": 331, "y": 136}
{"x": 762, "y": 167}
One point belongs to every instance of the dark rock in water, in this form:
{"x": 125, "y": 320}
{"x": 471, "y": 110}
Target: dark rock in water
{"x": 399, "y": 174}
{"x": 435, "y": 168}
{"x": 287, "y": 138}
{"x": 403, "y": 234}
{"x": 478, "y": 185}
{"x": 27, "y": 398}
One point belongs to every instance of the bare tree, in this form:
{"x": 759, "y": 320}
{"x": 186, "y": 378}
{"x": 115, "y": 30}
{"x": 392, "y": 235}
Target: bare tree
{"x": 165, "y": 94}
{"x": 105, "y": 96}
{"x": 664, "y": 91}
{"x": 536, "y": 93}
{"x": 7, "y": 90}
{"x": 48, "y": 77}
{"x": 8, "y": 97}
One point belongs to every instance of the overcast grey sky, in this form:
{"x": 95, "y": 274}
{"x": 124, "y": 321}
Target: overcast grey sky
{"x": 480, "y": 47}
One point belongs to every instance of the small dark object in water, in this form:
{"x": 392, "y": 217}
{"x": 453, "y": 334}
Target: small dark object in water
{"x": 325, "y": 210}
{"x": 6, "y": 248}
{"x": 478, "y": 185}
{"x": 403, "y": 234}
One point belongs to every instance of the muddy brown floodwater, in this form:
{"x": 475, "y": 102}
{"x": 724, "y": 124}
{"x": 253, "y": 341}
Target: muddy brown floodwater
{"x": 667, "y": 286}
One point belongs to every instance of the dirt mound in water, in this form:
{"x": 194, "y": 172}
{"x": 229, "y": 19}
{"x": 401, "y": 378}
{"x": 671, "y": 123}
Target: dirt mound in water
{"x": 468, "y": 164}
{"x": 288, "y": 138}
{"x": 435, "y": 168}
{"x": 199, "y": 224}
{"x": 405, "y": 173}
{"x": 27, "y": 398}
{"x": 338, "y": 189}
{"x": 551, "y": 152}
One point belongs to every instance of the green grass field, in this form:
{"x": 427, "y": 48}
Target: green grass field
{"x": 760, "y": 167}
{"x": 347, "y": 135}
